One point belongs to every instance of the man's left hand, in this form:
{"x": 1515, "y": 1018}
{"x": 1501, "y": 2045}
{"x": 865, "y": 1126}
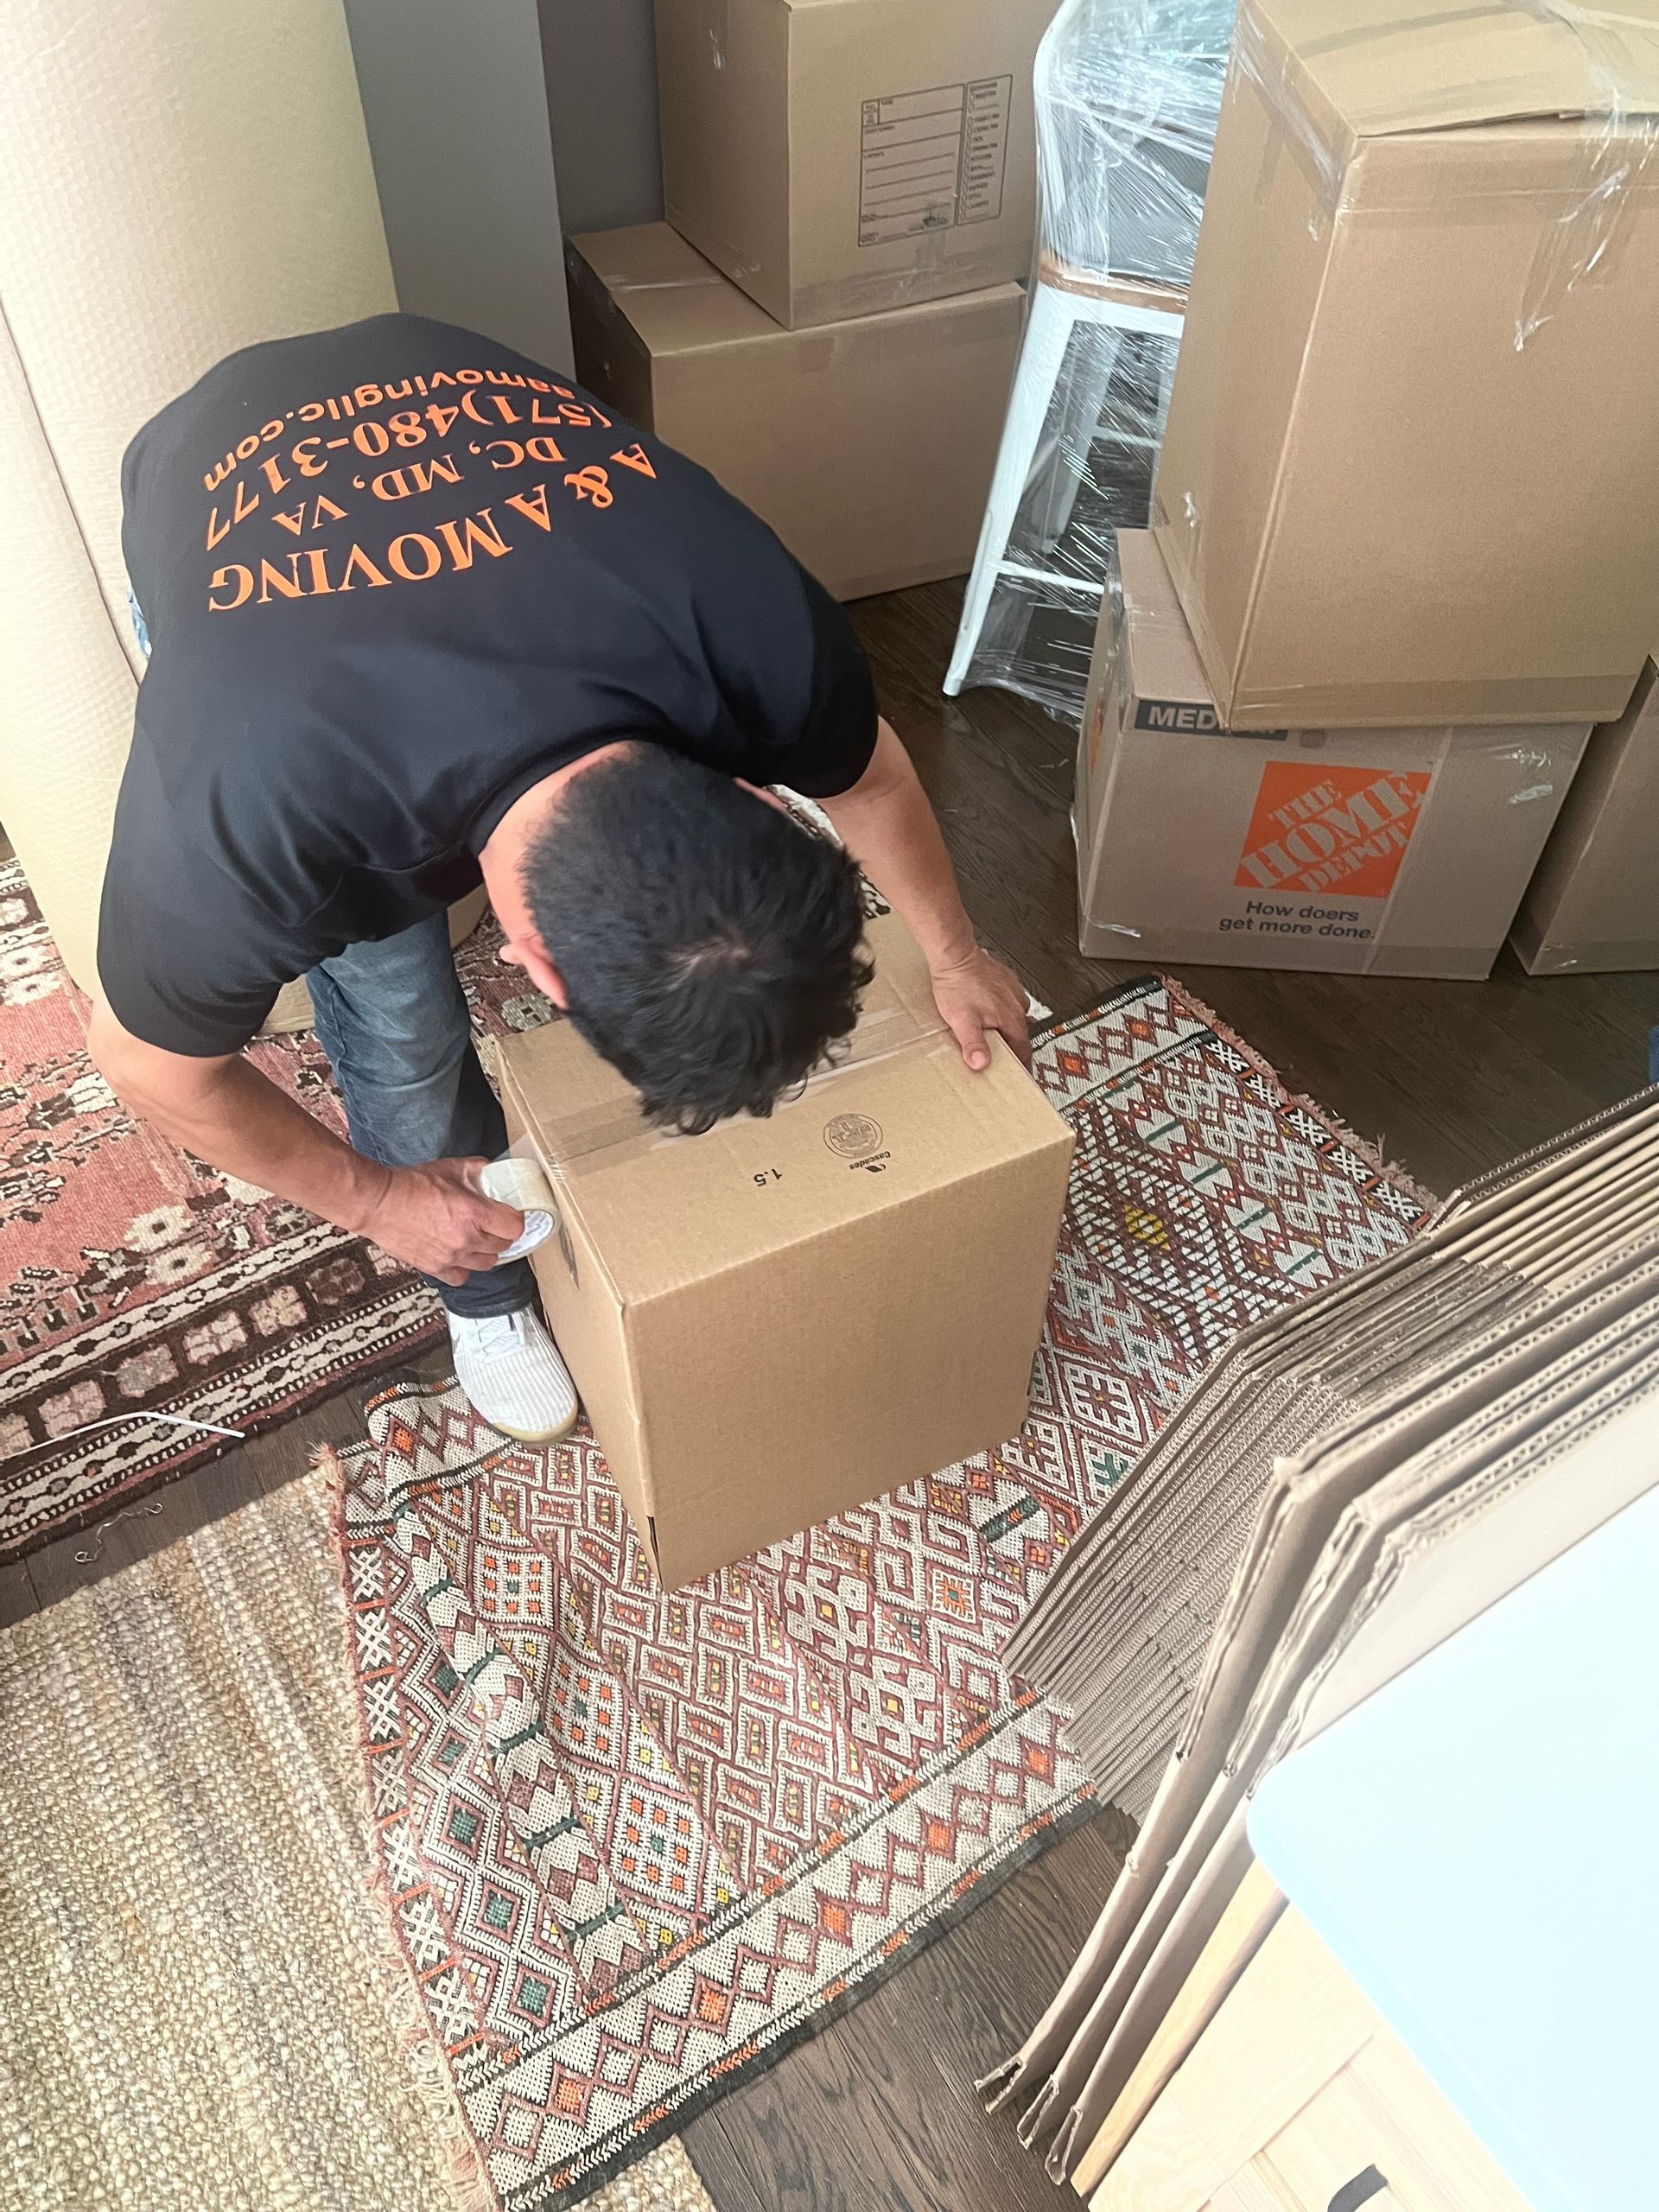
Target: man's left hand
{"x": 978, "y": 997}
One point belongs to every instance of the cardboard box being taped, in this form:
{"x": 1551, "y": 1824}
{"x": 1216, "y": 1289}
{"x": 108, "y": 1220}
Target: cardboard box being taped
{"x": 785, "y": 1317}
{"x": 1410, "y": 466}
{"x": 868, "y": 447}
{"x": 837, "y": 157}
{"x": 1395, "y": 852}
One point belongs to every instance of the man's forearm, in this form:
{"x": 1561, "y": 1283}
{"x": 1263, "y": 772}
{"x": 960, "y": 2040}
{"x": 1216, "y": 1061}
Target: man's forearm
{"x": 432, "y": 1216}
{"x": 240, "y": 1122}
{"x": 890, "y": 829}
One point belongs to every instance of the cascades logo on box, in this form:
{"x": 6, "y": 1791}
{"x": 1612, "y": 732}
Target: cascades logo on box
{"x": 852, "y": 1135}
{"x": 1314, "y": 828}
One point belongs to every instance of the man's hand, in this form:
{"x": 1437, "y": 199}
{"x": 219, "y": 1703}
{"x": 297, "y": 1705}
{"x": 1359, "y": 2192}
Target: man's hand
{"x": 435, "y": 1218}
{"x": 225, "y": 1111}
{"x": 887, "y": 825}
{"x": 978, "y": 996}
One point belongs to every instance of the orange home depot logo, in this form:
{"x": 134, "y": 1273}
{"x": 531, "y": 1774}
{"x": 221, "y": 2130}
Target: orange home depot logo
{"x": 1316, "y": 828}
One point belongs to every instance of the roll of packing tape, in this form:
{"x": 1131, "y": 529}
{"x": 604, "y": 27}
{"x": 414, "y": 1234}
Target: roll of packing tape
{"x": 521, "y": 1184}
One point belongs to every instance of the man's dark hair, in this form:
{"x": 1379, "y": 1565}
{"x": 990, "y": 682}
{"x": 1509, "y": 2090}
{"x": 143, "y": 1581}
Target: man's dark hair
{"x": 709, "y": 943}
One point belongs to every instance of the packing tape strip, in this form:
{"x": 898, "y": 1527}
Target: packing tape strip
{"x": 1617, "y": 50}
{"x": 604, "y": 1135}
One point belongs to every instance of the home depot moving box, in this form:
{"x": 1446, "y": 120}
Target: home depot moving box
{"x": 1396, "y": 852}
{"x": 868, "y": 446}
{"x": 1595, "y": 902}
{"x": 1410, "y": 464}
{"x": 839, "y": 156}
{"x": 785, "y": 1317}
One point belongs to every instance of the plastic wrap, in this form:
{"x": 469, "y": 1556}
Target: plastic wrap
{"x": 1600, "y": 63}
{"x": 1127, "y": 93}
{"x": 1092, "y": 477}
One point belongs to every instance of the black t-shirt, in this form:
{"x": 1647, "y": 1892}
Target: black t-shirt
{"x": 393, "y": 574}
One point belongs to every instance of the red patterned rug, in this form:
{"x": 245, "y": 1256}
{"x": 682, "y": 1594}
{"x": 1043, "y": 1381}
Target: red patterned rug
{"x": 635, "y": 1845}
{"x": 136, "y": 1279}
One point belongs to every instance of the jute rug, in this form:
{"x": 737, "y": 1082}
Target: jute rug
{"x": 138, "y": 1278}
{"x": 200, "y": 2010}
{"x": 638, "y": 1845}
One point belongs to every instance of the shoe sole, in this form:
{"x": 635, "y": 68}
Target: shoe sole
{"x": 528, "y": 1436}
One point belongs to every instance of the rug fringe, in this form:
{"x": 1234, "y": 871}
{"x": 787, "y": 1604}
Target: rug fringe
{"x": 1368, "y": 1149}
{"x": 429, "y": 2068}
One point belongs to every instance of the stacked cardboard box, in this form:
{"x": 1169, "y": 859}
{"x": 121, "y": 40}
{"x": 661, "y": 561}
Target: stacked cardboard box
{"x": 1399, "y": 852}
{"x": 829, "y": 318}
{"x": 1406, "y": 489}
{"x": 866, "y": 446}
{"x": 1167, "y": 1598}
{"x": 1355, "y": 1479}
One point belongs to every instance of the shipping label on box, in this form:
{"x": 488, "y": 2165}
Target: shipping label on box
{"x": 931, "y": 160}
{"x": 1392, "y": 852}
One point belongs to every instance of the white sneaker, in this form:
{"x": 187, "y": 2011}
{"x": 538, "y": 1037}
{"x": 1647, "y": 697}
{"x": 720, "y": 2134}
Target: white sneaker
{"x": 510, "y": 1370}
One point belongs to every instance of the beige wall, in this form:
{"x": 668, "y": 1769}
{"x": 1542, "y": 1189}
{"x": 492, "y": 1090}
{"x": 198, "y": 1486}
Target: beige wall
{"x": 176, "y": 180}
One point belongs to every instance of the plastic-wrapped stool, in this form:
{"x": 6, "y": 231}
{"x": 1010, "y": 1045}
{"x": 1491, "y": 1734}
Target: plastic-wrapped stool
{"x": 1126, "y": 93}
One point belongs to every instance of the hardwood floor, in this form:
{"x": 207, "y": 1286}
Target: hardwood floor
{"x": 881, "y": 2109}
{"x": 878, "y": 2114}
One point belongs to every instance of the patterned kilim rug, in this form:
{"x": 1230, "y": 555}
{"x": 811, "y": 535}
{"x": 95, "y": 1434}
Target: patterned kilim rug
{"x": 135, "y": 1278}
{"x": 636, "y": 1844}
{"x": 200, "y": 2008}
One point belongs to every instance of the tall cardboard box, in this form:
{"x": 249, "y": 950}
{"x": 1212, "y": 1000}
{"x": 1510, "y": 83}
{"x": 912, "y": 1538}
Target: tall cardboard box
{"x": 869, "y": 445}
{"x": 1396, "y": 852}
{"x": 835, "y": 157}
{"x": 785, "y": 1317}
{"x": 1412, "y": 453}
{"x": 1593, "y": 905}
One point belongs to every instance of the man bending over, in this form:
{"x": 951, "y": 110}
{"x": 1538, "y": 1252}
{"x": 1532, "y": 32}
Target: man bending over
{"x": 421, "y": 613}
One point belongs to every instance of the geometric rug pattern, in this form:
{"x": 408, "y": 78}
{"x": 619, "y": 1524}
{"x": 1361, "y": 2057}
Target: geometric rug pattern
{"x": 635, "y": 1844}
{"x": 136, "y": 1278}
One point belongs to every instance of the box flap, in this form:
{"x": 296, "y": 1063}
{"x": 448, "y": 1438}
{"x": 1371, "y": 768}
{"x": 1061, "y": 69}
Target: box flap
{"x": 1385, "y": 67}
{"x": 676, "y": 300}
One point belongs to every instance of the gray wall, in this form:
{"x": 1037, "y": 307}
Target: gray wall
{"x": 602, "y": 93}
{"x": 457, "y": 115}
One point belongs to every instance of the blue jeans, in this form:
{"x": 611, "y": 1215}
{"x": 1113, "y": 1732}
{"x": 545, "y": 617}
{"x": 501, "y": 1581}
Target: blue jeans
{"x": 392, "y": 1019}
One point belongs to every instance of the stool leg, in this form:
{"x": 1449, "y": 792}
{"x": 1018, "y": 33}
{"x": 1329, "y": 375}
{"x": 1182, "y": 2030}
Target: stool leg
{"x": 1038, "y": 371}
{"x": 1095, "y": 360}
